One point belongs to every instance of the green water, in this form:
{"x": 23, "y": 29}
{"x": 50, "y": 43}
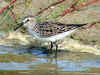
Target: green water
{"x": 24, "y": 62}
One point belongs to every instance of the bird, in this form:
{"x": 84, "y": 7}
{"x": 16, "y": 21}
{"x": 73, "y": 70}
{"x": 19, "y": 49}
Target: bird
{"x": 48, "y": 31}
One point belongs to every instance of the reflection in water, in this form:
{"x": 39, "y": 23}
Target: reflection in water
{"x": 14, "y": 60}
{"x": 15, "y": 66}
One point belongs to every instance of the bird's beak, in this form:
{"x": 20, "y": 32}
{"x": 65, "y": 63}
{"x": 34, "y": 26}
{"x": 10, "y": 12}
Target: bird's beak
{"x": 19, "y": 25}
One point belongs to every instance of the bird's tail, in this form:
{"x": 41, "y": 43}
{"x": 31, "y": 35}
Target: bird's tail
{"x": 80, "y": 25}
{"x": 77, "y": 25}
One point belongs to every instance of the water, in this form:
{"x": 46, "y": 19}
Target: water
{"x": 15, "y": 61}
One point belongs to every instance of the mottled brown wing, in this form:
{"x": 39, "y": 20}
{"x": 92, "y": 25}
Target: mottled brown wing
{"x": 47, "y": 29}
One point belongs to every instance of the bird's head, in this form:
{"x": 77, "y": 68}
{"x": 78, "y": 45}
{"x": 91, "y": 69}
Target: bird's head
{"x": 27, "y": 21}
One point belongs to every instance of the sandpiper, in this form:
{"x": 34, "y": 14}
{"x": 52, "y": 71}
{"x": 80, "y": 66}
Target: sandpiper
{"x": 48, "y": 31}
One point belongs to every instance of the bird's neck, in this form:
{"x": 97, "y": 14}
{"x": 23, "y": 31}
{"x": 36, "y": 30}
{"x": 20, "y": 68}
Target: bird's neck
{"x": 31, "y": 25}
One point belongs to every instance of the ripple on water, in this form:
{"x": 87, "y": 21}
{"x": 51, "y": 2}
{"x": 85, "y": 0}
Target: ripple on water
{"x": 42, "y": 62}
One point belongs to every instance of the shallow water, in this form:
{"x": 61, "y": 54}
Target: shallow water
{"x": 15, "y": 61}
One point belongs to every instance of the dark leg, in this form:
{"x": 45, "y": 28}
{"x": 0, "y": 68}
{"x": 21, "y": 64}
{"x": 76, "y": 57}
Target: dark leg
{"x": 49, "y": 51}
{"x": 56, "y": 50}
{"x": 51, "y": 47}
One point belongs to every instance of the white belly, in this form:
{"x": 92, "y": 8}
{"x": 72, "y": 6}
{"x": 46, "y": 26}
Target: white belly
{"x": 52, "y": 38}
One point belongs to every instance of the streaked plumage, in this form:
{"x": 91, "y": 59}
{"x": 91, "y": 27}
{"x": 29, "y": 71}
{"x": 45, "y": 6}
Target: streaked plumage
{"x": 50, "y": 31}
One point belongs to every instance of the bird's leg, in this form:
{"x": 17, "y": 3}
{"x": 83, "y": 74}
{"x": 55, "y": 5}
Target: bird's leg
{"x": 49, "y": 51}
{"x": 56, "y": 50}
{"x": 55, "y": 43}
{"x": 51, "y": 46}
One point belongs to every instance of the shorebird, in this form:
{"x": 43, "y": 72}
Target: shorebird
{"x": 48, "y": 31}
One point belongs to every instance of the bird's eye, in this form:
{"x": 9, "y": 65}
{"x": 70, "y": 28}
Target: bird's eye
{"x": 27, "y": 20}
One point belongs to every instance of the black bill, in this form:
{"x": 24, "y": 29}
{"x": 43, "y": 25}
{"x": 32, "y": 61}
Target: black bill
{"x": 19, "y": 25}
